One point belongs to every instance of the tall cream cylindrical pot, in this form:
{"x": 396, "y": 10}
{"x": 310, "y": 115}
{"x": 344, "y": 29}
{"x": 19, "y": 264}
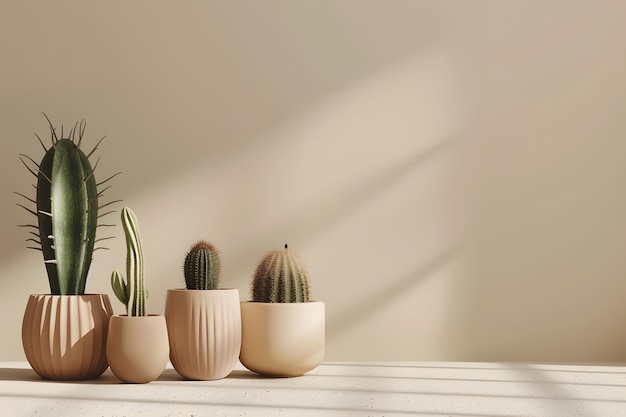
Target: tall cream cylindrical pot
{"x": 204, "y": 328}
{"x": 64, "y": 336}
{"x": 137, "y": 347}
{"x": 282, "y": 339}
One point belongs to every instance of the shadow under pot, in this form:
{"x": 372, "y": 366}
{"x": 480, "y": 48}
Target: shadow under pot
{"x": 282, "y": 339}
{"x": 137, "y": 347}
{"x": 64, "y": 336}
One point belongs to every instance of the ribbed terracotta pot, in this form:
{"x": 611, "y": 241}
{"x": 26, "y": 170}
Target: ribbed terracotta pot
{"x": 137, "y": 347}
{"x": 282, "y": 339}
{"x": 64, "y": 336}
{"x": 204, "y": 328}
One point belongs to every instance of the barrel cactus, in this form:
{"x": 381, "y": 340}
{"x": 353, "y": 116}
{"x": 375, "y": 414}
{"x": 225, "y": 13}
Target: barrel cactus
{"x": 280, "y": 278}
{"x": 66, "y": 209}
{"x": 132, "y": 291}
{"x": 202, "y": 267}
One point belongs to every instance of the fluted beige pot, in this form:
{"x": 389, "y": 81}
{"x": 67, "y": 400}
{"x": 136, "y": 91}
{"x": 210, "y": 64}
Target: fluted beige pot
{"x": 282, "y": 339}
{"x": 137, "y": 347}
{"x": 64, "y": 336}
{"x": 204, "y": 328}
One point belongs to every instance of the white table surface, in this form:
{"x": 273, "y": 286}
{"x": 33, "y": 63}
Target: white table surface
{"x": 333, "y": 389}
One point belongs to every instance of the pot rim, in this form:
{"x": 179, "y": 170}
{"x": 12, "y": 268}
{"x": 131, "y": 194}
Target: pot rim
{"x": 298, "y": 303}
{"x": 194, "y": 290}
{"x": 68, "y": 295}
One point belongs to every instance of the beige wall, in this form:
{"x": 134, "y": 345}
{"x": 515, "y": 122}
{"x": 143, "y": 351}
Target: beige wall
{"x": 452, "y": 173}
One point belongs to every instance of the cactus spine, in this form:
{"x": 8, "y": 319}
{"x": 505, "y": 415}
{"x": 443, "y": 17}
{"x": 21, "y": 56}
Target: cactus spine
{"x": 202, "y": 267}
{"x": 280, "y": 278}
{"x": 66, "y": 210}
{"x": 132, "y": 291}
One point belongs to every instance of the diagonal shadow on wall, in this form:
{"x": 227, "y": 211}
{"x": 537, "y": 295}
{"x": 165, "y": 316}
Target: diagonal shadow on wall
{"x": 374, "y": 303}
{"x": 317, "y": 218}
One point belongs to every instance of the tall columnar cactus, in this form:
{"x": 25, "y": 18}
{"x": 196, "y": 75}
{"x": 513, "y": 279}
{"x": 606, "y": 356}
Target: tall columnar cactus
{"x": 66, "y": 210}
{"x": 132, "y": 291}
{"x": 202, "y": 267}
{"x": 280, "y": 278}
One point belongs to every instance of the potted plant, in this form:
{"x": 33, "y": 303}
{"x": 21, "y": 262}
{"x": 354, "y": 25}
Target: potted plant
{"x": 137, "y": 347}
{"x": 203, "y": 321}
{"x": 283, "y": 332}
{"x": 64, "y": 332}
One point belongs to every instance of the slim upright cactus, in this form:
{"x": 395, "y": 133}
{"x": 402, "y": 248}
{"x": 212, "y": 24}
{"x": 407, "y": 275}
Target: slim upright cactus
{"x": 66, "y": 210}
{"x": 202, "y": 267}
{"x": 132, "y": 291}
{"x": 280, "y": 278}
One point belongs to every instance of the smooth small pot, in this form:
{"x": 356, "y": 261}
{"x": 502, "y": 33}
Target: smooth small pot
{"x": 64, "y": 336}
{"x": 282, "y": 339}
{"x": 204, "y": 328}
{"x": 137, "y": 347}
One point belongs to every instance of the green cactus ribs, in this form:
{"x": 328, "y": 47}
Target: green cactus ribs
{"x": 280, "y": 278}
{"x": 67, "y": 209}
{"x": 131, "y": 291}
{"x": 202, "y": 267}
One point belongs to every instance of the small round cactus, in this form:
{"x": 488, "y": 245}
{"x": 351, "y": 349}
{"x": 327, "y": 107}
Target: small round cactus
{"x": 202, "y": 267}
{"x": 280, "y": 278}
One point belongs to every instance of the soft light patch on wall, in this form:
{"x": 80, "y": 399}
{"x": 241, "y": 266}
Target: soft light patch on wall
{"x": 357, "y": 184}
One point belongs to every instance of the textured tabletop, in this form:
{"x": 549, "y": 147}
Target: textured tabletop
{"x": 333, "y": 389}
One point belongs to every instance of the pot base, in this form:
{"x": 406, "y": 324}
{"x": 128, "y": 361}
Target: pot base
{"x": 137, "y": 347}
{"x": 204, "y": 329}
{"x": 64, "y": 336}
{"x": 282, "y": 339}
